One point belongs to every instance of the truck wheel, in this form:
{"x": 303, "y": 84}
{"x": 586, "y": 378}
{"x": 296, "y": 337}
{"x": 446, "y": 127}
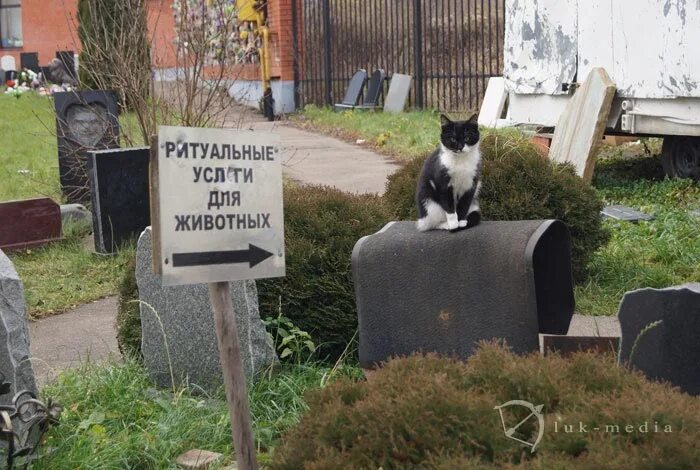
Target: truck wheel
{"x": 680, "y": 157}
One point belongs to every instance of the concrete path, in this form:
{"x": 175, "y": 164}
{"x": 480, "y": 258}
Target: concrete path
{"x": 65, "y": 340}
{"x": 318, "y": 159}
{"x": 587, "y": 325}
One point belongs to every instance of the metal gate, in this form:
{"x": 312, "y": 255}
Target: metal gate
{"x": 450, "y": 47}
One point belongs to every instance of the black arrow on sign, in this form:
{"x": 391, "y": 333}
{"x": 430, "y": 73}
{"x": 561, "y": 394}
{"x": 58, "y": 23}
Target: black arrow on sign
{"x": 253, "y": 255}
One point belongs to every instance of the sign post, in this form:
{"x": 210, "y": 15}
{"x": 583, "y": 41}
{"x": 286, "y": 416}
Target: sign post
{"x": 216, "y": 217}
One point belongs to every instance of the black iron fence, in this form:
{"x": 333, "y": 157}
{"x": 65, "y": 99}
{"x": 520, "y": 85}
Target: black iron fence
{"x": 450, "y": 47}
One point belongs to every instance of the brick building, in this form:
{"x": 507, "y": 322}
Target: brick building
{"x": 48, "y": 26}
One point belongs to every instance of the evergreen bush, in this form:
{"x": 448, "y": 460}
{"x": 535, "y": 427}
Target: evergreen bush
{"x": 321, "y": 227}
{"x": 432, "y": 412}
{"x": 519, "y": 184}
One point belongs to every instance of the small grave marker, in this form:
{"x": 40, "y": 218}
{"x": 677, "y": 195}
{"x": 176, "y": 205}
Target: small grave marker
{"x": 28, "y": 223}
{"x": 493, "y": 103}
{"x": 119, "y": 194}
{"x": 30, "y": 61}
{"x": 619, "y": 212}
{"x": 581, "y": 126}
{"x": 397, "y": 95}
{"x": 217, "y": 217}
{"x": 85, "y": 121}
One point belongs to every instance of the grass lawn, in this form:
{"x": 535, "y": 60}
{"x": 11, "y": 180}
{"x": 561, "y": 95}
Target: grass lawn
{"x": 113, "y": 417}
{"x": 64, "y": 274}
{"x": 28, "y": 154}
{"x": 658, "y": 253}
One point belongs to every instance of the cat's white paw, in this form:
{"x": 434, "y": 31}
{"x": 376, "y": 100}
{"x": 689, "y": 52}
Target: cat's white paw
{"x": 444, "y": 226}
{"x": 462, "y": 223}
{"x": 452, "y": 221}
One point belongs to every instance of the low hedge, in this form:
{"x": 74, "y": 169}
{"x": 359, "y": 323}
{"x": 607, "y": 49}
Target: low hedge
{"x": 432, "y": 412}
{"x": 321, "y": 225}
{"x": 519, "y": 184}
{"x": 128, "y": 314}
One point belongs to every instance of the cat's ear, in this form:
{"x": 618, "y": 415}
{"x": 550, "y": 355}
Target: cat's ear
{"x": 474, "y": 119}
{"x": 444, "y": 120}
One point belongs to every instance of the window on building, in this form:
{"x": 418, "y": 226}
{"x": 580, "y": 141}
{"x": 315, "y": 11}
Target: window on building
{"x": 11, "y": 23}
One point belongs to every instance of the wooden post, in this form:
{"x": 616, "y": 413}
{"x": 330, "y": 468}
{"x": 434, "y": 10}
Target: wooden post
{"x": 234, "y": 375}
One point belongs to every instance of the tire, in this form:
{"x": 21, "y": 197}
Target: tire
{"x": 680, "y": 157}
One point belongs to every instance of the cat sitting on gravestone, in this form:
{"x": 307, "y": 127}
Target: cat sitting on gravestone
{"x": 448, "y": 186}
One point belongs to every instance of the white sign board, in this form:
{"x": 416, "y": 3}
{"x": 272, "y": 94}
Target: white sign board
{"x": 218, "y": 205}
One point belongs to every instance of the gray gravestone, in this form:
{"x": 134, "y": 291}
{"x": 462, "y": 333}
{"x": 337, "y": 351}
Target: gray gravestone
{"x": 670, "y": 349}
{"x": 444, "y": 292}
{"x": 397, "y": 95}
{"x": 14, "y": 334}
{"x": 188, "y": 325}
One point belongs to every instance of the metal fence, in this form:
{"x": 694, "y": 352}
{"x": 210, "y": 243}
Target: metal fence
{"x": 450, "y": 47}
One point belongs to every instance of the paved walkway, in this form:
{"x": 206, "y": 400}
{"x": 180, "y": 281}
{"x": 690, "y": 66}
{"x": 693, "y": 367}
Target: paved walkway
{"x": 65, "y": 340}
{"x": 318, "y": 159}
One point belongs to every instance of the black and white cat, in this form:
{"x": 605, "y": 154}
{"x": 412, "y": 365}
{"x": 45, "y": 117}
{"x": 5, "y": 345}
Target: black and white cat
{"x": 448, "y": 187}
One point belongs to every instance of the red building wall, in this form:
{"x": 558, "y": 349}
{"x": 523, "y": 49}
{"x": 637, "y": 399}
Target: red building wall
{"x": 47, "y": 26}
{"x": 50, "y": 25}
{"x": 161, "y": 24}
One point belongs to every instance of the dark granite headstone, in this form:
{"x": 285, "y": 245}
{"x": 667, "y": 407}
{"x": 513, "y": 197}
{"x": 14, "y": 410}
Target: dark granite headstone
{"x": 667, "y": 323}
{"x": 444, "y": 292}
{"x": 119, "y": 194}
{"x": 28, "y": 223}
{"x": 67, "y": 58}
{"x": 85, "y": 121}
{"x": 29, "y": 61}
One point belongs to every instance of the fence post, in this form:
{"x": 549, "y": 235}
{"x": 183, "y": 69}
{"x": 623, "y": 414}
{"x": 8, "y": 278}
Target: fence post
{"x": 418, "y": 51}
{"x": 327, "y": 49}
{"x": 295, "y": 52}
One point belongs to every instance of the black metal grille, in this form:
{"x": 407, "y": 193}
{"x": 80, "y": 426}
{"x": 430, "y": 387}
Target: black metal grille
{"x": 450, "y": 47}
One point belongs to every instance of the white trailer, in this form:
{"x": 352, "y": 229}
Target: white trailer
{"x": 649, "y": 48}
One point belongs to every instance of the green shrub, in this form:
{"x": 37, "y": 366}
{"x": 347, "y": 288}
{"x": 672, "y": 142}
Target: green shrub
{"x": 128, "y": 314}
{"x": 321, "y": 227}
{"x": 518, "y": 184}
{"x": 431, "y": 412}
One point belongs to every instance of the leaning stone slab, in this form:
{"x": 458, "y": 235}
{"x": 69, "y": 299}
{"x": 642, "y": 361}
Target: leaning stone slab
{"x": 15, "y": 365}
{"x": 182, "y": 334}
{"x": 443, "y": 292}
{"x": 665, "y": 324}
